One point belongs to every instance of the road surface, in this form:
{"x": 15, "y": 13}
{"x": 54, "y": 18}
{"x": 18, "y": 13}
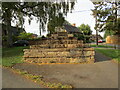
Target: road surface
{"x": 102, "y": 74}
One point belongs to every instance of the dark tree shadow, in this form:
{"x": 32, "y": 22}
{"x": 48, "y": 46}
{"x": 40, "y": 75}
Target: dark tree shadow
{"x": 99, "y": 57}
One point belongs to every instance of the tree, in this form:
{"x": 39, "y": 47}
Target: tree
{"x": 108, "y": 32}
{"x": 106, "y": 15}
{"x": 85, "y": 29}
{"x": 112, "y": 29}
{"x": 115, "y": 27}
{"x": 57, "y": 21}
{"x": 44, "y": 11}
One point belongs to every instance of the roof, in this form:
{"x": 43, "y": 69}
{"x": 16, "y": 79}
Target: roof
{"x": 71, "y": 29}
{"x": 93, "y": 36}
{"x": 14, "y": 30}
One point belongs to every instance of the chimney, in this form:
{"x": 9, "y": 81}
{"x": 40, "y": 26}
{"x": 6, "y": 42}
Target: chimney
{"x": 73, "y": 24}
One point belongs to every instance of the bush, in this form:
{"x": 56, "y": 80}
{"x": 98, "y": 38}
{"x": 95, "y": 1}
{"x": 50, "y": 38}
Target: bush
{"x": 35, "y": 39}
{"x": 25, "y": 36}
{"x": 4, "y": 38}
{"x": 48, "y": 35}
{"x": 15, "y": 38}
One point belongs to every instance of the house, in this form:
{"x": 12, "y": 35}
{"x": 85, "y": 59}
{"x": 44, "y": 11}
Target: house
{"x": 15, "y": 30}
{"x": 71, "y": 29}
{"x": 34, "y": 35}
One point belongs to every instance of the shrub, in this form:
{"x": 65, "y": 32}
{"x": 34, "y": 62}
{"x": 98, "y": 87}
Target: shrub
{"x": 25, "y": 36}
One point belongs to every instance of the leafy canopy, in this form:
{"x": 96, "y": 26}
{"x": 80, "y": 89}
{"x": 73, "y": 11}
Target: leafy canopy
{"x": 57, "y": 21}
{"x": 85, "y": 29}
{"x": 106, "y": 16}
{"x": 25, "y": 36}
{"x": 44, "y": 11}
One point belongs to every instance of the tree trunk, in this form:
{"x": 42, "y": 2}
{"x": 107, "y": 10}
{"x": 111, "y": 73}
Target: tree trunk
{"x": 9, "y": 29}
{"x": 96, "y": 37}
{"x": 96, "y": 28}
{"x": 40, "y": 27}
{"x": 9, "y": 38}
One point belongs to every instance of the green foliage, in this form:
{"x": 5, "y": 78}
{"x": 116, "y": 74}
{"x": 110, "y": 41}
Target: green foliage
{"x": 85, "y": 29}
{"x": 106, "y": 16}
{"x": 113, "y": 27}
{"x": 15, "y": 38}
{"x": 4, "y": 38}
{"x": 25, "y": 36}
{"x": 37, "y": 77}
{"x": 79, "y": 36}
{"x": 66, "y": 22}
{"x": 48, "y": 35}
{"x": 11, "y": 56}
{"x": 57, "y": 21}
{"x": 35, "y": 39}
{"x": 108, "y": 33}
{"x": 23, "y": 72}
{"x": 44, "y": 11}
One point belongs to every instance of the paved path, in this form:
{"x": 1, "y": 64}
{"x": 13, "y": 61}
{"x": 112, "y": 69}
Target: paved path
{"x": 0, "y": 77}
{"x": 13, "y": 80}
{"x": 102, "y": 74}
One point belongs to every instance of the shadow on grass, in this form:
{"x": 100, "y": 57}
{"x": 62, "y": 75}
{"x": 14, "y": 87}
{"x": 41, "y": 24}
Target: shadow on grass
{"x": 14, "y": 51}
{"x": 99, "y": 57}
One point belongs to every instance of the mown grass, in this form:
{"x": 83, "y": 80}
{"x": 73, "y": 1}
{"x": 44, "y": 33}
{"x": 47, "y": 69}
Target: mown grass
{"x": 11, "y": 56}
{"x": 113, "y": 53}
{"x": 104, "y": 46}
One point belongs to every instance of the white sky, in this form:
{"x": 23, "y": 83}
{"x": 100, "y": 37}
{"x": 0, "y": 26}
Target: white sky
{"x": 76, "y": 17}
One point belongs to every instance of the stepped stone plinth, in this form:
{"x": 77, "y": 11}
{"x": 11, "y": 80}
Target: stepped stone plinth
{"x": 59, "y": 48}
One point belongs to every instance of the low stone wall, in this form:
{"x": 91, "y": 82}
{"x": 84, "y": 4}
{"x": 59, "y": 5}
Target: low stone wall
{"x": 59, "y": 48}
{"x": 59, "y": 55}
{"x": 55, "y": 41}
{"x": 60, "y": 60}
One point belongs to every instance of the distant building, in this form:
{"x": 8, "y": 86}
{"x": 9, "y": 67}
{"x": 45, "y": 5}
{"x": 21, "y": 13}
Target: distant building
{"x": 72, "y": 29}
{"x": 93, "y": 37}
{"x": 34, "y": 35}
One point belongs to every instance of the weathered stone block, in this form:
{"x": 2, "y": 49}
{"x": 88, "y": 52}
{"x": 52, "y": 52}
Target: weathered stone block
{"x": 59, "y": 49}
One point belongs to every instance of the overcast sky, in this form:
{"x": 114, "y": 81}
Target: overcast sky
{"x": 81, "y": 14}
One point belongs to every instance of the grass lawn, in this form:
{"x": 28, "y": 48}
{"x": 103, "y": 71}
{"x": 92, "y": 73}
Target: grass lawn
{"x": 11, "y": 56}
{"x": 113, "y": 53}
{"x": 105, "y": 46}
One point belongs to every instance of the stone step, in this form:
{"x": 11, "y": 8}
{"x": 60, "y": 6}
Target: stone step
{"x": 58, "y": 49}
{"x": 60, "y": 60}
{"x": 57, "y": 46}
{"x": 58, "y": 54}
{"x": 66, "y": 41}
